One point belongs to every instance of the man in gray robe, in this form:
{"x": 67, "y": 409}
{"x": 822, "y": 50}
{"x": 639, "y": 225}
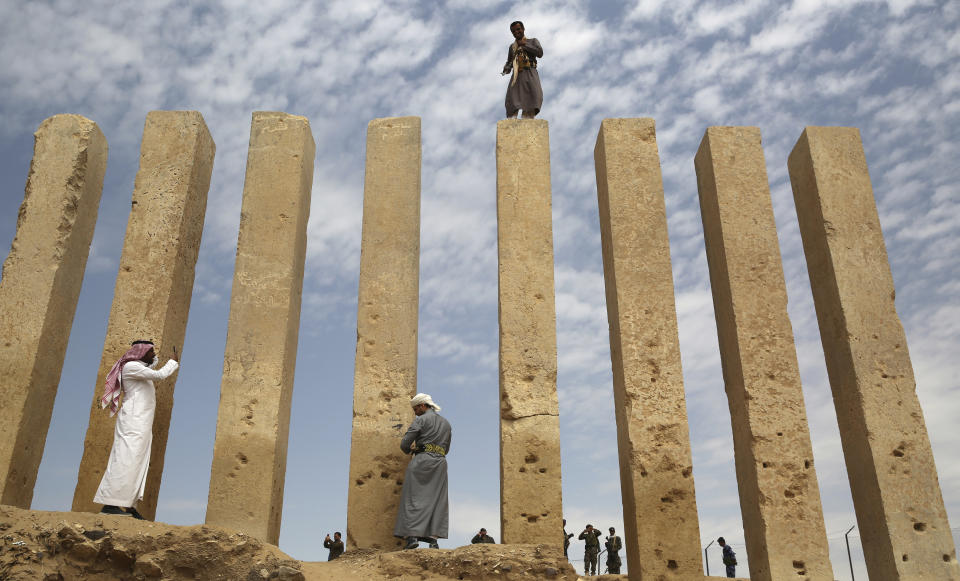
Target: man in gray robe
{"x": 524, "y": 91}
{"x": 423, "y": 514}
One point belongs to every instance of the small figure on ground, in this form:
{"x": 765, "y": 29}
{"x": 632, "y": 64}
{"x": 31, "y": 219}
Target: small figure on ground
{"x": 125, "y": 478}
{"x": 424, "y": 511}
{"x": 566, "y": 539}
{"x": 524, "y": 91}
{"x": 613, "y": 545}
{"x": 591, "y": 548}
{"x": 729, "y": 558}
{"x": 335, "y": 545}
{"x": 482, "y": 537}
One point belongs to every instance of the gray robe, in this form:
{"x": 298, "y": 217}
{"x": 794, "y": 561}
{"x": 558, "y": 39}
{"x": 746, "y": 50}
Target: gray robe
{"x": 424, "y": 511}
{"x": 526, "y": 93}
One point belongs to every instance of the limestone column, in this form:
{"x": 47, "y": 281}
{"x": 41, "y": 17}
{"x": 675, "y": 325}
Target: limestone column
{"x": 385, "y": 374}
{"x": 253, "y": 421}
{"x": 530, "y": 492}
{"x": 40, "y": 287}
{"x": 151, "y": 299}
{"x": 662, "y": 533}
{"x": 900, "y": 511}
{"x": 779, "y": 496}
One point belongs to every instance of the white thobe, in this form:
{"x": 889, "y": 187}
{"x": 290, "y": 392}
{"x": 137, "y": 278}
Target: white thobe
{"x": 124, "y": 481}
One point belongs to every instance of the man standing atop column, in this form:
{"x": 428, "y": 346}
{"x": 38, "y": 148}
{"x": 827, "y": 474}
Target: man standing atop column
{"x": 613, "y": 545}
{"x": 424, "y": 513}
{"x": 524, "y": 90}
{"x": 125, "y": 478}
{"x": 591, "y": 548}
{"x": 729, "y": 558}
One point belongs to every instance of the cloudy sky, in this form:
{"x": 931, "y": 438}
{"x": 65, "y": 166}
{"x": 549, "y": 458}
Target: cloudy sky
{"x": 891, "y": 68}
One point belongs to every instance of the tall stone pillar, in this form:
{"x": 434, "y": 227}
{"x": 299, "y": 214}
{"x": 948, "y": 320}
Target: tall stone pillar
{"x": 253, "y": 421}
{"x": 385, "y": 374}
{"x": 779, "y": 497}
{"x": 530, "y": 494}
{"x": 662, "y": 533}
{"x": 151, "y": 299}
{"x": 900, "y": 511}
{"x": 40, "y": 287}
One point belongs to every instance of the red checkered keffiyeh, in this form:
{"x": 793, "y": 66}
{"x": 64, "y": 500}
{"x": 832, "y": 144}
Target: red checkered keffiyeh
{"x": 113, "y": 386}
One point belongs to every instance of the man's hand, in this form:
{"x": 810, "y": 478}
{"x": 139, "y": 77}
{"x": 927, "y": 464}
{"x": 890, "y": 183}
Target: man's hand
{"x": 522, "y": 41}
{"x": 328, "y": 537}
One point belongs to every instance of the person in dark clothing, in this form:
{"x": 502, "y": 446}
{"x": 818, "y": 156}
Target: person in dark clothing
{"x": 335, "y": 545}
{"x": 591, "y": 548}
{"x": 613, "y": 544}
{"x": 729, "y": 558}
{"x": 482, "y": 537}
{"x": 566, "y": 539}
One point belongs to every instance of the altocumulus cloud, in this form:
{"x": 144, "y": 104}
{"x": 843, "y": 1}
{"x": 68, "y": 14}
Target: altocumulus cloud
{"x": 889, "y": 68}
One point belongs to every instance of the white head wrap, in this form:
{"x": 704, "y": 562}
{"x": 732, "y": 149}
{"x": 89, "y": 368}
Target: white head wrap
{"x": 424, "y": 398}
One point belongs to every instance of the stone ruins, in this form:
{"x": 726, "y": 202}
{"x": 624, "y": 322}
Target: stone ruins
{"x": 159, "y": 254}
{"x": 530, "y": 507}
{"x": 897, "y": 498}
{"x": 385, "y": 376}
{"x": 656, "y": 469}
{"x": 779, "y": 497}
{"x": 250, "y": 455}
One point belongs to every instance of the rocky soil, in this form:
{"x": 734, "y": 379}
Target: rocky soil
{"x": 67, "y": 546}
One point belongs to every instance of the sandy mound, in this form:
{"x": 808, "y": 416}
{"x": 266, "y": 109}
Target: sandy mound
{"x": 54, "y": 546}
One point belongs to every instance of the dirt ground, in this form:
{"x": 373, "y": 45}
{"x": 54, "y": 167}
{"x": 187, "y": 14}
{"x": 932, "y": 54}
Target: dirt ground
{"x": 67, "y": 546}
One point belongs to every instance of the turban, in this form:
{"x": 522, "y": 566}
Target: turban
{"x": 423, "y": 398}
{"x": 113, "y": 386}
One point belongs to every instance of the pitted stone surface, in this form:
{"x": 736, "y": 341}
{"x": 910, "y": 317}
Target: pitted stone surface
{"x": 250, "y": 451}
{"x": 779, "y": 496}
{"x": 385, "y": 374}
{"x": 530, "y": 484}
{"x": 896, "y": 494}
{"x": 662, "y": 536}
{"x": 40, "y": 545}
{"x": 61, "y": 545}
{"x": 40, "y": 287}
{"x": 151, "y": 299}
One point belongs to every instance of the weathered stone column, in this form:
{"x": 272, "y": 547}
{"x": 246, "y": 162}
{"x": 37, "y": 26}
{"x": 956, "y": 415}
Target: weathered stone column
{"x": 253, "y": 421}
{"x": 531, "y": 508}
{"x": 40, "y": 287}
{"x": 893, "y": 478}
{"x": 779, "y": 497}
{"x": 385, "y": 375}
{"x": 151, "y": 299}
{"x": 662, "y": 533}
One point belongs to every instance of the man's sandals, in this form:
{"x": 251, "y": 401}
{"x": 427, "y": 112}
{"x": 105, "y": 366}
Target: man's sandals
{"x": 414, "y": 542}
{"x": 114, "y": 510}
{"x": 117, "y": 511}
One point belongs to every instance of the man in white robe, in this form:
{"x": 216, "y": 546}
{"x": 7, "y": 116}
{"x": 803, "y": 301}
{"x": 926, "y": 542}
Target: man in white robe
{"x": 125, "y": 478}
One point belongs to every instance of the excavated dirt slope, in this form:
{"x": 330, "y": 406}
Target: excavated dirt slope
{"x": 55, "y": 546}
